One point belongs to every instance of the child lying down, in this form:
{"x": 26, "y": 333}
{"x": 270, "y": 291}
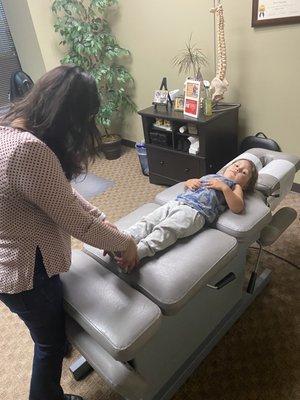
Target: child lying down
{"x": 202, "y": 201}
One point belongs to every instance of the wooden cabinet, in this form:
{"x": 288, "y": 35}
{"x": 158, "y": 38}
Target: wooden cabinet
{"x": 171, "y": 164}
{"x": 167, "y": 148}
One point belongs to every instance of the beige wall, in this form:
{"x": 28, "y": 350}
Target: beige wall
{"x": 263, "y": 63}
{"x": 48, "y": 39}
{"x": 24, "y": 36}
{"x": 263, "y": 69}
{"x": 155, "y": 32}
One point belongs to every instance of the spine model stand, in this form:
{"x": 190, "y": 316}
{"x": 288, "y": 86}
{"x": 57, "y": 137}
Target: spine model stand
{"x": 219, "y": 84}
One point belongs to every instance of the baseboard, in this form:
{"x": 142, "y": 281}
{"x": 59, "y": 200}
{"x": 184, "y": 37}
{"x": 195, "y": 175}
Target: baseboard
{"x": 128, "y": 143}
{"x": 296, "y": 187}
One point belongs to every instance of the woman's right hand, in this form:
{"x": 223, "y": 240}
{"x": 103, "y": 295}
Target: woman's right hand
{"x": 192, "y": 184}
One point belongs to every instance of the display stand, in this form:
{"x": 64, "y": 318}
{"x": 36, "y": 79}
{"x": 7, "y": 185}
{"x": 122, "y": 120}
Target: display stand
{"x": 170, "y": 162}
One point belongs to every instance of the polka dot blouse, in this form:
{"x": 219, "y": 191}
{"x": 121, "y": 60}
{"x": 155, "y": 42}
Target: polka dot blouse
{"x": 38, "y": 207}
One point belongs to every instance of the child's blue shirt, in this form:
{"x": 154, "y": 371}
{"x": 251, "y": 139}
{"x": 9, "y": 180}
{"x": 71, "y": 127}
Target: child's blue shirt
{"x": 208, "y": 202}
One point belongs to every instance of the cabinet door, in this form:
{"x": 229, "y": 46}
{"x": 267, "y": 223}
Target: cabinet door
{"x": 174, "y": 165}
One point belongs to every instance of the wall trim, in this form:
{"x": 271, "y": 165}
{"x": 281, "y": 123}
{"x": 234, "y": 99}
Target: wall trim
{"x": 128, "y": 143}
{"x": 296, "y": 187}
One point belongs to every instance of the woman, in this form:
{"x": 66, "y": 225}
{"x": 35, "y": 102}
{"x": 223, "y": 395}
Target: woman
{"x": 46, "y": 139}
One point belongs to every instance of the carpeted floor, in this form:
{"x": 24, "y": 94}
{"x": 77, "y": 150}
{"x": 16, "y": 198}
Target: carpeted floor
{"x": 258, "y": 359}
{"x": 91, "y": 185}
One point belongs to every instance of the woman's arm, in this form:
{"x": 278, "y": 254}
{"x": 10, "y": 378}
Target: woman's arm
{"x": 36, "y": 175}
{"x": 88, "y": 206}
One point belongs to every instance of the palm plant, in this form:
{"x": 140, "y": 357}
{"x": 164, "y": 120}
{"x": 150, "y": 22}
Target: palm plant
{"x": 90, "y": 44}
{"x": 190, "y": 60}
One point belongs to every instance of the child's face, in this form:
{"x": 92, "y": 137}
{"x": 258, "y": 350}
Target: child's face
{"x": 239, "y": 171}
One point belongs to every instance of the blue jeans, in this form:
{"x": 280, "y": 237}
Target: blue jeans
{"x": 41, "y": 309}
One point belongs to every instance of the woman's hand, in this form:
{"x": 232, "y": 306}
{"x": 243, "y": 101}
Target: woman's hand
{"x": 192, "y": 184}
{"x": 216, "y": 184}
{"x": 128, "y": 259}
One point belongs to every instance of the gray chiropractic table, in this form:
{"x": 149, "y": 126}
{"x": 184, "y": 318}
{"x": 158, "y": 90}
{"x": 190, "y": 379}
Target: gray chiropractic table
{"x": 146, "y": 332}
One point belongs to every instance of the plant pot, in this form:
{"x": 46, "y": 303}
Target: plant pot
{"x": 111, "y": 146}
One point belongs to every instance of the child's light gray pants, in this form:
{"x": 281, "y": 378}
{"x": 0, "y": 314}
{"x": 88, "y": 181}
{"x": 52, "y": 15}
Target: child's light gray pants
{"x": 161, "y": 228}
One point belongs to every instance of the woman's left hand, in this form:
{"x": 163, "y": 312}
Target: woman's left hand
{"x": 128, "y": 259}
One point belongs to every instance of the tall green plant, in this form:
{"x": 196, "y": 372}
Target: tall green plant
{"x": 90, "y": 44}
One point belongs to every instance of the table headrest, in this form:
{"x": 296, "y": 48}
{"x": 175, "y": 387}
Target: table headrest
{"x": 266, "y": 156}
{"x": 273, "y": 168}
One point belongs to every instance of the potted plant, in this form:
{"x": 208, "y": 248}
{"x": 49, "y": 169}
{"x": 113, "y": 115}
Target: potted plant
{"x": 91, "y": 45}
{"x": 190, "y": 60}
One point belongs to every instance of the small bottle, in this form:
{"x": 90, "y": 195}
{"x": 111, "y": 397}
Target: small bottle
{"x": 207, "y": 105}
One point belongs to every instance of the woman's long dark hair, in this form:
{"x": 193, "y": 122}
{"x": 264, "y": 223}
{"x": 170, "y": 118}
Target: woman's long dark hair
{"x": 60, "y": 110}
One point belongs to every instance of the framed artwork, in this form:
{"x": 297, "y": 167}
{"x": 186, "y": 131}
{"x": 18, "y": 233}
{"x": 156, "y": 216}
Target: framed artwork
{"x": 275, "y": 12}
{"x": 179, "y": 104}
{"x": 160, "y": 97}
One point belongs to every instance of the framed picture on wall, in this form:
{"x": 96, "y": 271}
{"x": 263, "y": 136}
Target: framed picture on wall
{"x": 275, "y": 12}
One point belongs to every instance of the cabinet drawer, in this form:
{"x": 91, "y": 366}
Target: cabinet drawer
{"x": 174, "y": 165}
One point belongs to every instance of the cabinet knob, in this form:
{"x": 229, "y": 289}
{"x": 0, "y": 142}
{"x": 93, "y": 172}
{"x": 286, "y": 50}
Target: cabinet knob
{"x": 187, "y": 170}
{"x": 162, "y": 163}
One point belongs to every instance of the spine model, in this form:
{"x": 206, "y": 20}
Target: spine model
{"x": 219, "y": 84}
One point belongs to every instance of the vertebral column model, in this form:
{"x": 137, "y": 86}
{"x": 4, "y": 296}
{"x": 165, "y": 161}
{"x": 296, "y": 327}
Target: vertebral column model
{"x": 219, "y": 84}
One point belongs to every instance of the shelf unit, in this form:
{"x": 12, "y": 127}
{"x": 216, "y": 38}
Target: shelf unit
{"x": 170, "y": 162}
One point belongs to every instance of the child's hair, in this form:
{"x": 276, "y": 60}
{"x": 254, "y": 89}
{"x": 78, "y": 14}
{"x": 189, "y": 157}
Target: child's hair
{"x": 254, "y": 174}
{"x": 253, "y": 179}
